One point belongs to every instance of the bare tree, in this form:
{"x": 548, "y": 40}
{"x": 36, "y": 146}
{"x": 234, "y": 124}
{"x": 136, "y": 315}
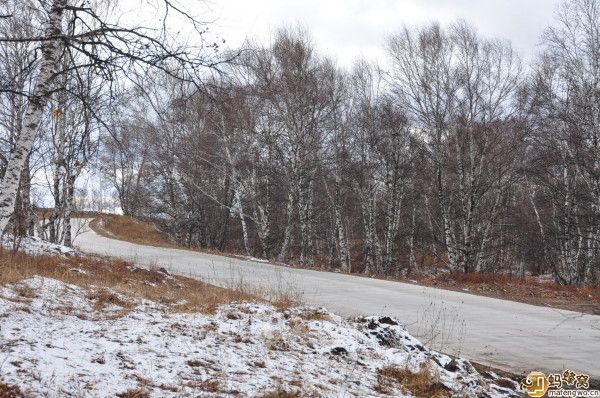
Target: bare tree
{"x": 459, "y": 90}
{"x": 93, "y": 38}
{"x": 17, "y": 66}
{"x": 565, "y": 159}
{"x": 296, "y": 83}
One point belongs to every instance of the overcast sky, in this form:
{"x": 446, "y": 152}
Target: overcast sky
{"x": 347, "y": 29}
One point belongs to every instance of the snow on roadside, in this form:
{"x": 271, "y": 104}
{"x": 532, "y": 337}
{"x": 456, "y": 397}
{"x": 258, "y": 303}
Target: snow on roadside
{"x": 36, "y": 246}
{"x": 55, "y": 342}
{"x": 257, "y": 260}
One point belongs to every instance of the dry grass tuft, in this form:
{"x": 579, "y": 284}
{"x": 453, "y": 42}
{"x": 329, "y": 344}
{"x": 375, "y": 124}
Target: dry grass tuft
{"x": 12, "y": 391}
{"x": 181, "y": 294}
{"x": 104, "y": 297}
{"x": 25, "y": 291}
{"x": 506, "y": 383}
{"x": 314, "y": 315}
{"x": 285, "y": 302}
{"x": 129, "y": 229}
{"x": 423, "y": 384}
{"x": 281, "y": 393}
{"x": 278, "y": 342}
{"x": 211, "y": 385}
{"x": 135, "y": 393}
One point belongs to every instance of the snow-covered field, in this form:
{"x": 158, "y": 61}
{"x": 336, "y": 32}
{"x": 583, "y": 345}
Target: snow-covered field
{"x": 55, "y": 340}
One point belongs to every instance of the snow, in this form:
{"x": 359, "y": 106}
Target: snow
{"x": 36, "y": 246}
{"x": 54, "y": 342}
{"x": 253, "y": 259}
{"x": 257, "y": 260}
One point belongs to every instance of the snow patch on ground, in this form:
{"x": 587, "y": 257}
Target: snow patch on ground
{"x": 55, "y": 342}
{"x": 36, "y": 246}
{"x": 257, "y": 260}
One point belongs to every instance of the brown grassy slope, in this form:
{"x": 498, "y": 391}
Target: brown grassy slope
{"x": 123, "y": 277}
{"x": 129, "y": 229}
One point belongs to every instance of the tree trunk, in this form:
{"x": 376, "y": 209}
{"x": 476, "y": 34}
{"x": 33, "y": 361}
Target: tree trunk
{"x": 69, "y": 205}
{"x": 368, "y": 204}
{"x": 412, "y": 261}
{"x": 287, "y": 234}
{"x": 305, "y": 207}
{"x": 37, "y": 102}
{"x": 240, "y": 211}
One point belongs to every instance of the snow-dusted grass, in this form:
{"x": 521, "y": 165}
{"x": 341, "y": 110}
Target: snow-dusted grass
{"x": 36, "y": 246}
{"x": 55, "y": 340}
{"x": 185, "y": 294}
{"x": 89, "y": 327}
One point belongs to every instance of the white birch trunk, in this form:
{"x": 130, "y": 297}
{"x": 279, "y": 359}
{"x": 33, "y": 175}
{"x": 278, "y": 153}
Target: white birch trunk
{"x": 412, "y": 261}
{"x": 59, "y": 138}
{"x": 261, "y": 216}
{"x": 305, "y": 205}
{"x": 340, "y": 239}
{"x": 69, "y": 197}
{"x": 50, "y": 53}
{"x": 240, "y": 210}
{"x": 368, "y": 206}
{"x": 287, "y": 234}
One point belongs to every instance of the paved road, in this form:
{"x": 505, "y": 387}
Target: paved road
{"x": 508, "y": 335}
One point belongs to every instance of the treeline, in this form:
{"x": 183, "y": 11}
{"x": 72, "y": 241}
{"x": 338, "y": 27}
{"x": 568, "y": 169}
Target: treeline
{"x": 454, "y": 155}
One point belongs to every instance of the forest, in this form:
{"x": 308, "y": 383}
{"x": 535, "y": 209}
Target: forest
{"x": 453, "y": 153}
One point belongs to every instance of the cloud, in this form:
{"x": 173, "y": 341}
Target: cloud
{"x": 347, "y": 29}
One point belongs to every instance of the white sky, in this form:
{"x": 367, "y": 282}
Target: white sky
{"x": 347, "y": 29}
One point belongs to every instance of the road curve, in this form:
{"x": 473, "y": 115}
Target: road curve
{"x": 508, "y": 335}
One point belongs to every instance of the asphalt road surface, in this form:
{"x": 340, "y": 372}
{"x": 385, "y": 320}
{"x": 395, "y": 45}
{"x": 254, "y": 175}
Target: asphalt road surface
{"x": 507, "y": 335}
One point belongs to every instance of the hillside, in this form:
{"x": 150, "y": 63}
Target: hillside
{"x": 104, "y": 328}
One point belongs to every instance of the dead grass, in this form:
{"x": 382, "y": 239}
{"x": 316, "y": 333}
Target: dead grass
{"x": 540, "y": 291}
{"x": 129, "y": 229}
{"x": 314, "y": 315}
{"x": 182, "y": 294}
{"x": 506, "y": 383}
{"x": 285, "y": 301}
{"x": 105, "y": 297}
{"x": 211, "y": 385}
{"x": 281, "y": 393}
{"x": 277, "y": 342}
{"x": 10, "y": 391}
{"x": 423, "y": 384}
{"x": 135, "y": 393}
{"x": 491, "y": 281}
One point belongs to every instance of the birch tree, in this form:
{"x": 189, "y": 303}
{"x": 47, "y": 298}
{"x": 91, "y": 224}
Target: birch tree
{"x": 93, "y": 37}
{"x": 458, "y": 90}
{"x": 296, "y": 83}
{"x": 17, "y": 67}
{"x": 565, "y": 165}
